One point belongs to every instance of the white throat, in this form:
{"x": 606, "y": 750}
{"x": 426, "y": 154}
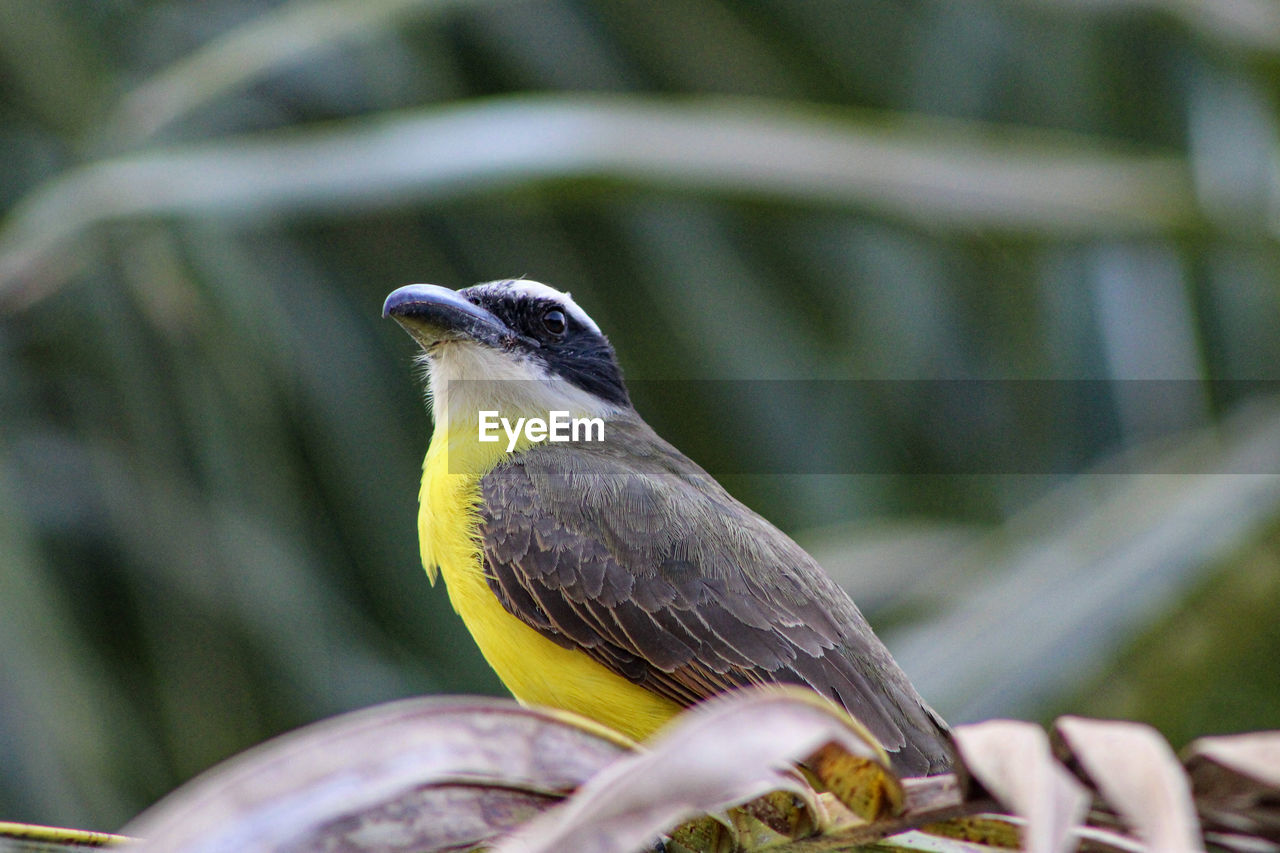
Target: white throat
{"x": 465, "y": 378}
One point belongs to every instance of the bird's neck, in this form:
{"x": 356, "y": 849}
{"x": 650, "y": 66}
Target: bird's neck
{"x": 457, "y": 459}
{"x": 479, "y": 423}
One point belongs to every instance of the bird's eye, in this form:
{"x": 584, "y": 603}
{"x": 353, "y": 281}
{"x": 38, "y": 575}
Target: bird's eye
{"x": 554, "y": 321}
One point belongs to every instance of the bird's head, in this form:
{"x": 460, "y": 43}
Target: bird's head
{"x": 517, "y": 346}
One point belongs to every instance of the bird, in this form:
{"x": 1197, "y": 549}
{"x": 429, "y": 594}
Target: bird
{"x": 605, "y": 572}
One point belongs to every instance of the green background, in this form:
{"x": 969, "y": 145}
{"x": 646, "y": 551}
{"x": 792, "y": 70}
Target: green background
{"x": 210, "y": 441}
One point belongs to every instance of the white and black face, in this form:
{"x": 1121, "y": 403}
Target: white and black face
{"x": 517, "y": 332}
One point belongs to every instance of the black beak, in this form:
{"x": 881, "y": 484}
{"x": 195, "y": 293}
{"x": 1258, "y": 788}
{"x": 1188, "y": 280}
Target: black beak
{"x": 434, "y": 314}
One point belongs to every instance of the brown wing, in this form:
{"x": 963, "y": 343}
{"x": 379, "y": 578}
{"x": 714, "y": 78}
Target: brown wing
{"x": 630, "y": 552}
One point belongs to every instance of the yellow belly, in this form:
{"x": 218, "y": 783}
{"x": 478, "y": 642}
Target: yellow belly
{"x": 535, "y": 670}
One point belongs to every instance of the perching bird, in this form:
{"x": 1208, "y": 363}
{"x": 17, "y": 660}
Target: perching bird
{"x": 610, "y": 575}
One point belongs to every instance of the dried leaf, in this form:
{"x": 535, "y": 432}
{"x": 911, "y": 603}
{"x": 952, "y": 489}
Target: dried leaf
{"x": 703, "y": 835}
{"x": 723, "y": 753}
{"x": 422, "y": 775}
{"x": 991, "y": 830}
{"x": 1137, "y": 774}
{"x": 932, "y": 794}
{"x": 1254, "y": 757}
{"x": 766, "y": 821}
{"x": 1095, "y": 839}
{"x": 1012, "y": 761}
{"x": 1236, "y": 782}
{"x": 863, "y": 784}
{"x": 437, "y": 817}
{"x": 777, "y": 816}
{"x": 918, "y": 841}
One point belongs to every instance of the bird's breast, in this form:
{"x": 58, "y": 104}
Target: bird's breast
{"x": 535, "y": 669}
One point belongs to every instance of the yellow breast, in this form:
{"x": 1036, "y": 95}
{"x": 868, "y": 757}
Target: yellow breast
{"x": 535, "y": 670}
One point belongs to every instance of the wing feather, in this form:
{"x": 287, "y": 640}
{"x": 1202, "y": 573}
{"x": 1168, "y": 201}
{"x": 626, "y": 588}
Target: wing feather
{"x": 630, "y": 552}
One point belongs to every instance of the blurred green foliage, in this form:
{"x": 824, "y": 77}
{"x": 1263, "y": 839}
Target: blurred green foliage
{"x": 1194, "y": 671}
{"x": 209, "y": 441}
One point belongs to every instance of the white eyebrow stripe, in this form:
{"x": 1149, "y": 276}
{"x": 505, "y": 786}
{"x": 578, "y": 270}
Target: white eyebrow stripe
{"x": 538, "y": 290}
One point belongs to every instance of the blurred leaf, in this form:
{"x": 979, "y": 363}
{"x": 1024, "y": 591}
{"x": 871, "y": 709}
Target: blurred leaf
{"x": 286, "y": 34}
{"x": 1252, "y": 24}
{"x": 1236, "y": 781}
{"x": 861, "y": 783}
{"x": 1024, "y": 625}
{"x": 1199, "y": 667}
{"x": 27, "y": 838}
{"x": 51, "y": 56}
{"x": 437, "y": 775}
{"x": 1138, "y": 775}
{"x": 67, "y": 721}
{"x": 428, "y": 774}
{"x": 1012, "y": 761}
{"x": 966, "y": 177}
{"x": 893, "y": 563}
{"x": 720, "y": 754}
{"x": 1253, "y": 757}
